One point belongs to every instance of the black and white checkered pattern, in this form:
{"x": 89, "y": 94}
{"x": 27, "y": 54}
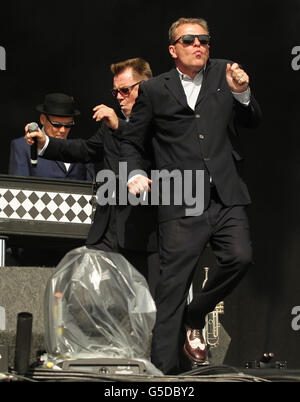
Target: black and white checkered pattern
{"x": 45, "y": 206}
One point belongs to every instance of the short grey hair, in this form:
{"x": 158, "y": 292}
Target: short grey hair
{"x": 182, "y": 21}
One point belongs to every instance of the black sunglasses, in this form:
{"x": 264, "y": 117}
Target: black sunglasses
{"x": 190, "y": 39}
{"x": 56, "y": 124}
{"x": 124, "y": 91}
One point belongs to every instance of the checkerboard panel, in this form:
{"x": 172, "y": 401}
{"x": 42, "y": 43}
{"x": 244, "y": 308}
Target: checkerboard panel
{"x": 45, "y": 206}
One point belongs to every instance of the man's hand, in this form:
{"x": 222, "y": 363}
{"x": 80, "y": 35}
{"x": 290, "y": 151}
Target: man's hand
{"x": 106, "y": 114}
{"x": 38, "y": 135}
{"x": 139, "y": 185}
{"x": 237, "y": 79}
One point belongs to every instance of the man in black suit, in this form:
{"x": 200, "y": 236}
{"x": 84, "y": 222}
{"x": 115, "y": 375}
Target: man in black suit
{"x": 190, "y": 115}
{"x": 131, "y": 231}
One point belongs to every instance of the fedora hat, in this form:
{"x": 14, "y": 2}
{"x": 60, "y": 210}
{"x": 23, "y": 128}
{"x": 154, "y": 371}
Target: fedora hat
{"x": 58, "y": 105}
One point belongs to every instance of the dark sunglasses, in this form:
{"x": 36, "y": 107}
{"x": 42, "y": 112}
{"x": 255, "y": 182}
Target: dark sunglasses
{"x": 124, "y": 91}
{"x": 56, "y": 124}
{"x": 190, "y": 39}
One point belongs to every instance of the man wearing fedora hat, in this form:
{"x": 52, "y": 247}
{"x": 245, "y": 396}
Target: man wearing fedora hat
{"x": 57, "y": 118}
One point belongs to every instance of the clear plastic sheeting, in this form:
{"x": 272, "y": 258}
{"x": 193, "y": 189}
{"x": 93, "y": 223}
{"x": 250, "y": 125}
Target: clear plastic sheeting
{"x": 98, "y": 305}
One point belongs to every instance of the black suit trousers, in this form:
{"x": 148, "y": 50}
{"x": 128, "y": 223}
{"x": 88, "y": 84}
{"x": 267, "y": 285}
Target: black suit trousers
{"x": 182, "y": 242}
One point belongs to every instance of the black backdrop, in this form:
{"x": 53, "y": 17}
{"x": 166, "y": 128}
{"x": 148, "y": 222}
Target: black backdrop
{"x": 68, "y": 47}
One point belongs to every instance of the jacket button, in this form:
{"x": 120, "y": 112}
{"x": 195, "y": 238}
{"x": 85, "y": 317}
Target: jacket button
{"x": 197, "y": 116}
{"x": 201, "y": 136}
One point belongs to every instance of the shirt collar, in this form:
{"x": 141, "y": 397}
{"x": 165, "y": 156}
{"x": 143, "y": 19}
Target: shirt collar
{"x": 126, "y": 117}
{"x": 197, "y": 79}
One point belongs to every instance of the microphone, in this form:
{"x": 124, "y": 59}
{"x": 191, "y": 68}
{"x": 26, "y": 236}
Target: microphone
{"x": 33, "y": 149}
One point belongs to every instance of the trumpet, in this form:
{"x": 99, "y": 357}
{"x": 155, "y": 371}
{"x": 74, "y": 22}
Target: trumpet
{"x": 212, "y": 324}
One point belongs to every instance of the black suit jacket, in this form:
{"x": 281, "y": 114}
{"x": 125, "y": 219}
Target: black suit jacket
{"x": 20, "y": 165}
{"x": 136, "y": 226}
{"x": 186, "y": 139}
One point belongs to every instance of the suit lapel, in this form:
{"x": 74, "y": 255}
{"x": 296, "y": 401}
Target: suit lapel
{"x": 71, "y": 167}
{"x": 207, "y": 79}
{"x": 174, "y": 85}
{"x": 62, "y": 166}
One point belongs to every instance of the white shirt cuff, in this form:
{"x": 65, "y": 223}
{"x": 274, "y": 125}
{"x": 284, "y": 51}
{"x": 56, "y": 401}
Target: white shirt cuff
{"x": 133, "y": 177}
{"x": 42, "y": 150}
{"x": 242, "y": 97}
